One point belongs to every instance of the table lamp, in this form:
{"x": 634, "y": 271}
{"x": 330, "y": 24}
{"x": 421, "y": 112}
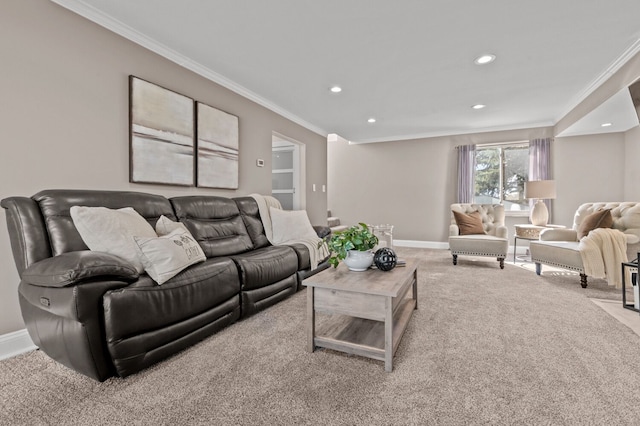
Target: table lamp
{"x": 539, "y": 190}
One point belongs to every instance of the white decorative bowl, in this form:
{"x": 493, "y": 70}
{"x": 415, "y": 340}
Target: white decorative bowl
{"x": 359, "y": 260}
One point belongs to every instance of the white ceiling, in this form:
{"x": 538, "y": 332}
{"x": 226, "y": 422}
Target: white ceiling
{"x": 408, "y": 63}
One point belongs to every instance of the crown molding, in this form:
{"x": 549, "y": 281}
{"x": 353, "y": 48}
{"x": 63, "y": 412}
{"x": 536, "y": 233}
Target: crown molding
{"x": 602, "y": 78}
{"x": 452, "y": 133}
{"x": 113, "y": 25}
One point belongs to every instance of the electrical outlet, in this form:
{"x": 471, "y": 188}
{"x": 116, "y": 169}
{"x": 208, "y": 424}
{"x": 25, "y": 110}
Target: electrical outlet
{"x": 260, "y": 162}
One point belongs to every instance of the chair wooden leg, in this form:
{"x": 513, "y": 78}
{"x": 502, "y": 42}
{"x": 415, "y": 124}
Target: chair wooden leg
{"x": 455, "y": 259}
{"x": 583, "y": 280}
{"x": 501, "y": 260}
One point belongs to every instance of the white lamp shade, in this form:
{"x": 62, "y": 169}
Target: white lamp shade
{"x": 540, "y": 189}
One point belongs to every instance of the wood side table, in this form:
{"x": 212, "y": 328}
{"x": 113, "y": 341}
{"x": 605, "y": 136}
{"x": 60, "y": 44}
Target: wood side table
{"x": 529, "y": 232}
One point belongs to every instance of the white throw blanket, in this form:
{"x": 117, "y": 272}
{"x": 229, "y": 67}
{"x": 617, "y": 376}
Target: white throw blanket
{"x": 603, "y": 250}
{"x": 309, "y": 238}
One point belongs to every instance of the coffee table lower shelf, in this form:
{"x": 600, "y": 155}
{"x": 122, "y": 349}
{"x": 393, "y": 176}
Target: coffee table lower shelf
{"x": 363, "y": 337}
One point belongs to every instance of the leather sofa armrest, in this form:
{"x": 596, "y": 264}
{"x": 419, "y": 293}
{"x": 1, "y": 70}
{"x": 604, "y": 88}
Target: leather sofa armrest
{"x": 322, "y": 231}
{"x": 502, "y": 232}
{"x": 77, "y": 266}
{"x": 27, "y": 231}
{"x": 454, "y": 230}
{"x": 558, "y": 234}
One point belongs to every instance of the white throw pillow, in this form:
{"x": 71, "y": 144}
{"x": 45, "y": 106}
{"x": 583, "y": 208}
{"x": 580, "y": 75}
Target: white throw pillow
{"x": 164, "y": 257}
{"x": 290, "y": 225}
{"x": 164, "y": 226}
{"x": 112, "y": 231}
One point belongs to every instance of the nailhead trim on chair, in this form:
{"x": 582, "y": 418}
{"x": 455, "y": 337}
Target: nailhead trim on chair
{"x": 475, "y": 253}
{"x": 559, "y": 265}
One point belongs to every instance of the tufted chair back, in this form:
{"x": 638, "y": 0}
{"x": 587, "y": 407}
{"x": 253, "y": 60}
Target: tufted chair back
{"x": 492, "y": 215}
{"x": 626, "y": 215}
{"x": 626, "y": 218}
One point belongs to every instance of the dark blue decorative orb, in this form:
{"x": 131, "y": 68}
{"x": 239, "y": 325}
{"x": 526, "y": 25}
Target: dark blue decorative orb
{"x": 385, "y": 259}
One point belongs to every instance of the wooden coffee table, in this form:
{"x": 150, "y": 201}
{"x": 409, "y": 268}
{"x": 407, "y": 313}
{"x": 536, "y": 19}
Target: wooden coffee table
{"x": 369, "y": 310}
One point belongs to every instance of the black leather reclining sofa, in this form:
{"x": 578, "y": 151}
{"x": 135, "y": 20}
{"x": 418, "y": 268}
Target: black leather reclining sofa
{"x": 90, "y": 312}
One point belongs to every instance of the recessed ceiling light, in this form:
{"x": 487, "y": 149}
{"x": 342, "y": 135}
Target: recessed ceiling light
{"x": 478, "y": 106}
{"x": 605, "y": 124}
{"x": 485, "y": 59}
{"x": 371, "y": 120}
{"x": 336, "y": 89}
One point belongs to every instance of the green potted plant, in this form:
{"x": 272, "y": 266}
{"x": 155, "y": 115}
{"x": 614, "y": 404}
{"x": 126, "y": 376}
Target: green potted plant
{"x": 353, "y": 246}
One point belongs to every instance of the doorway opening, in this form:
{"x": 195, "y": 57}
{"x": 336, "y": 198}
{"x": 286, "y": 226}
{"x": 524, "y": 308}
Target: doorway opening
{"x": 288, "y": 172}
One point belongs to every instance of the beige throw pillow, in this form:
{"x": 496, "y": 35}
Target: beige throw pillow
{"x": 290, "y": 225}
{"x": 164, "y": 257}
{"x": 598, "y": 219}
{"x": 164, "y": 226}
{"x": 469, "y": 224}
{"x": 112, "y": 231}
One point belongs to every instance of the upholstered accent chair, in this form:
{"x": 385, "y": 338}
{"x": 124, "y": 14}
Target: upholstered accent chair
{"x": 559, "y": 247}
{"x": 493, "y": 242}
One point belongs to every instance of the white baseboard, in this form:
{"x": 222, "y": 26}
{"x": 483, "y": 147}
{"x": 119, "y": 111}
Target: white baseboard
{"x": 421, "y": 244}
{"x": 15, "y": 343}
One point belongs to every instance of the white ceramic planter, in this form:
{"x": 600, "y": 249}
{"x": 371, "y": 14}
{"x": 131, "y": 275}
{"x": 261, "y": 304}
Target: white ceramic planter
{"x": 359, "y": 260}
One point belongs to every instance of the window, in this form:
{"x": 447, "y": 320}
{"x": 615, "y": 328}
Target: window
{"x": 500, "y": 174}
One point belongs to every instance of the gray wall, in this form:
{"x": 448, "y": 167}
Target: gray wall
{"x": 64, "y": 119}
{"x": 587, "y": 169}
{"x": 407, "y": 184}
{"x": 632, "y": 165}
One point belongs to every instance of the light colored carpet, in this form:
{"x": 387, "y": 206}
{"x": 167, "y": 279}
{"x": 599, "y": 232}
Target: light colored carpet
{"x": 487, "y": 346}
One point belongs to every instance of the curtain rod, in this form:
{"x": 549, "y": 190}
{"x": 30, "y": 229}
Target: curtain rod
{"x": 489, "y": 144}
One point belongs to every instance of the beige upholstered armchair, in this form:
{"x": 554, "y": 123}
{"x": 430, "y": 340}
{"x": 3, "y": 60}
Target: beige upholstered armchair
{"x": 489, "y": 240}
{"x": 562, "y": 247}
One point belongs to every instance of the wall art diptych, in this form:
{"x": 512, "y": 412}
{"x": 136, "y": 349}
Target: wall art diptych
{"x": 217, "y": 148}
{"x": 161, "y": 135}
